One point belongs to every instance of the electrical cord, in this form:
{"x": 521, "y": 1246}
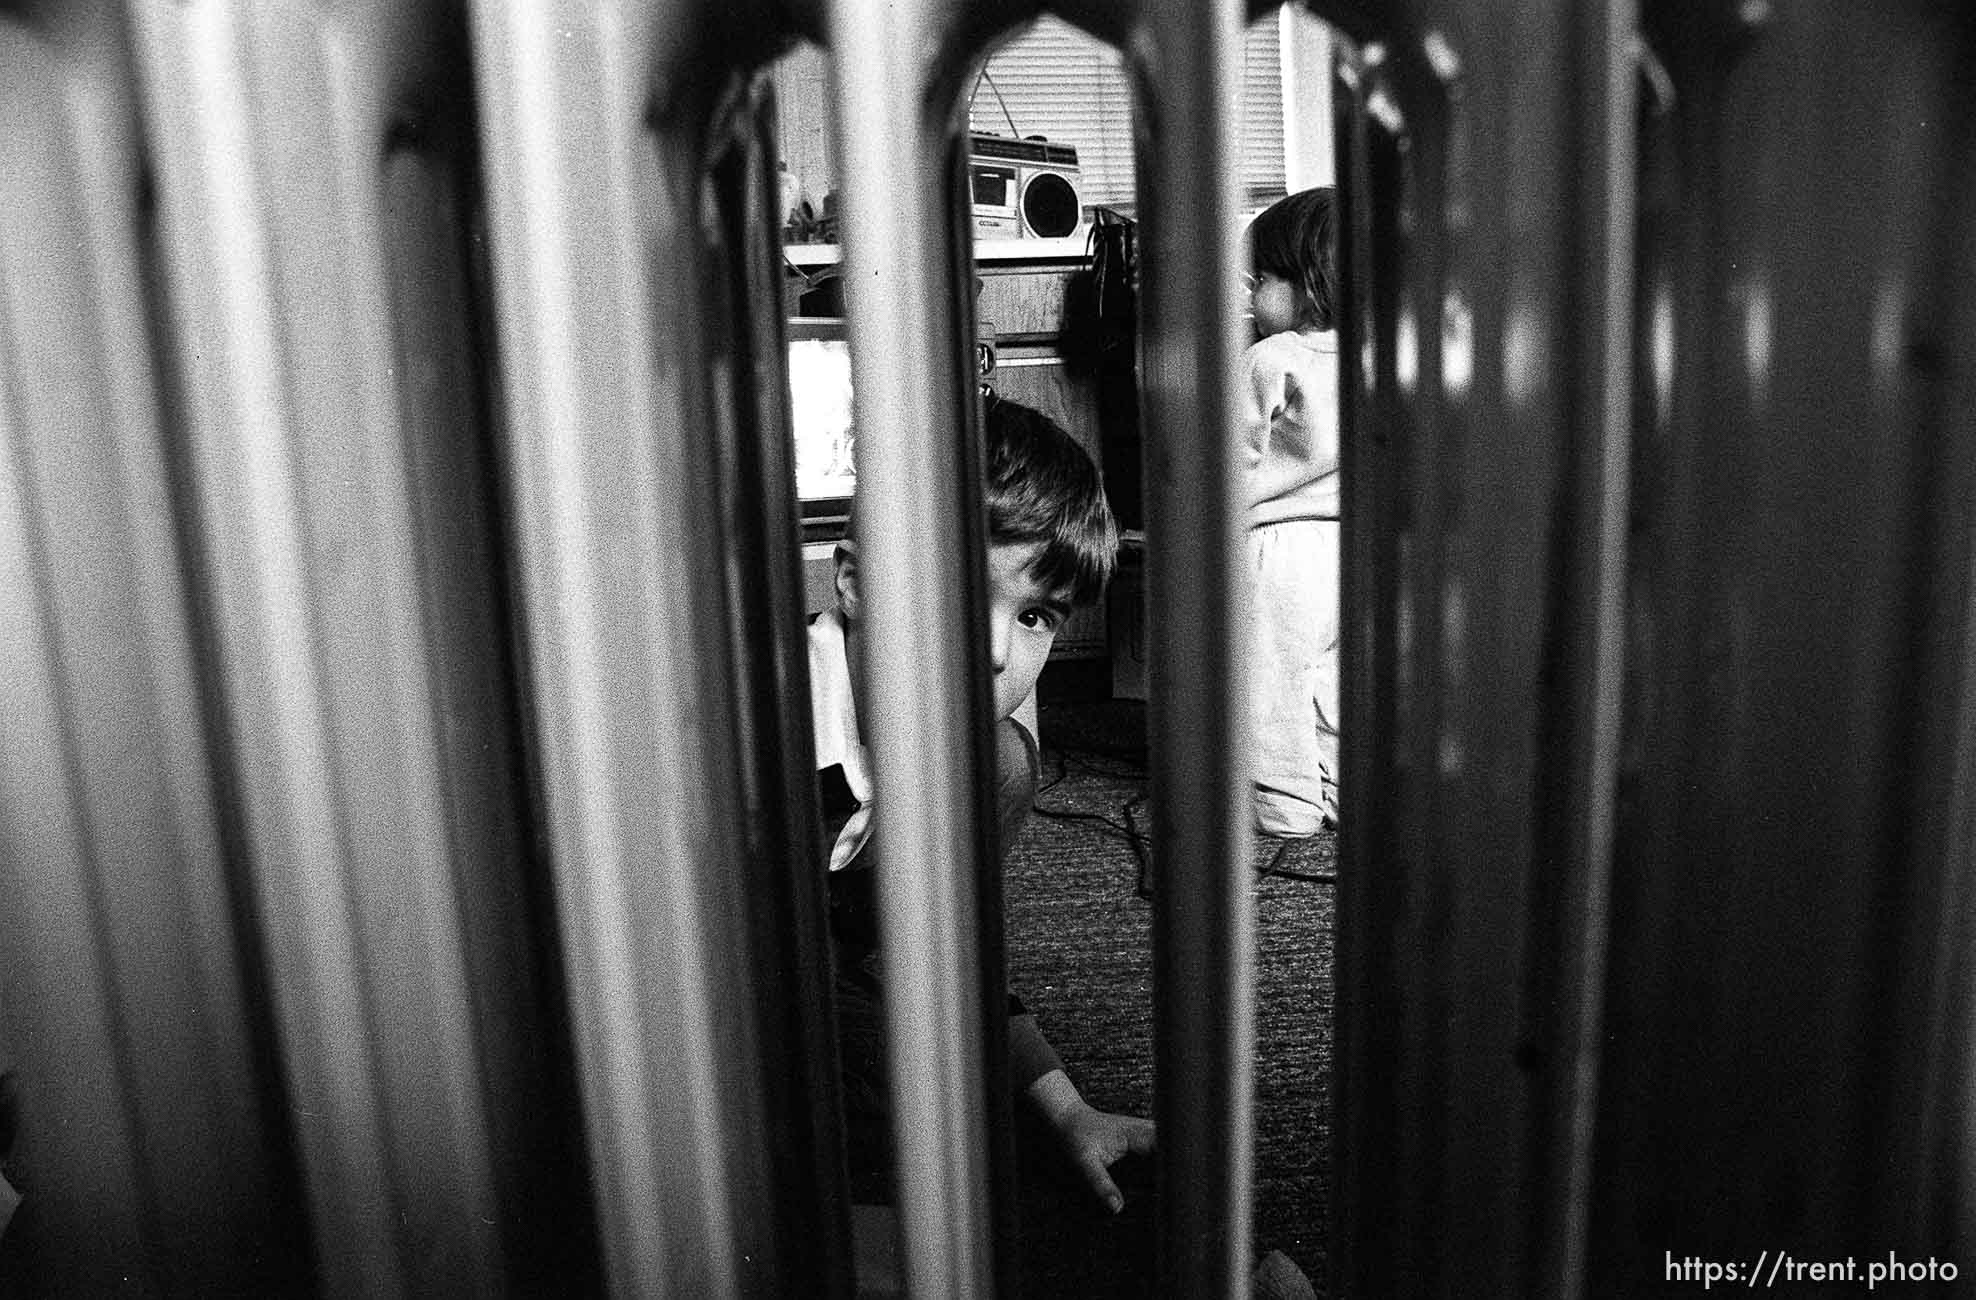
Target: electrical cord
{"x": 1125, "y": 828}
{"x": 1117, "y": 830}
{"x": 1126, "y": 832}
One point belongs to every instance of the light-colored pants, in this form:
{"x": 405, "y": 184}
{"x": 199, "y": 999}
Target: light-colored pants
{"x": 1295, "y": 682}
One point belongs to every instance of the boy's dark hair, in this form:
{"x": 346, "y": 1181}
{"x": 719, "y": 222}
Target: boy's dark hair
{"x": 1296, "y": 239}
{"x": 1042, "y": 487}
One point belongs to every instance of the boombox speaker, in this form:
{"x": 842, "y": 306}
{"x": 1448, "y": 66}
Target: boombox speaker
{"x": 1022, "y": 189}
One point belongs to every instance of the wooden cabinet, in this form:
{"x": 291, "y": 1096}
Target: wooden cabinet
{"x": 1024, "y": 303}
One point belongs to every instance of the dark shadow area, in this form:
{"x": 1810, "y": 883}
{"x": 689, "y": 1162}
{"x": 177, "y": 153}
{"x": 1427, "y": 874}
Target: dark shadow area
{"x": 1079, "y": 938}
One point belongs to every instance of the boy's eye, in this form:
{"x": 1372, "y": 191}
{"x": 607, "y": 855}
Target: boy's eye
{"x": 1043, "y": 619}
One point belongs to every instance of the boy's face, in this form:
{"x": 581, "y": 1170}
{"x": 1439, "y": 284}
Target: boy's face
{"x": 1024, "y": 618}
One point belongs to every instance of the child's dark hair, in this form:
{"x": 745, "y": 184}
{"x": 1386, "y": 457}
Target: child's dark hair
{"x": 1042, "y": 487}
{"x": 1296, "y": 239}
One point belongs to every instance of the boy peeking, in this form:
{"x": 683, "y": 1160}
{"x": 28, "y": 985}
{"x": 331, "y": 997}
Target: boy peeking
{"x": 1051, "y": 547}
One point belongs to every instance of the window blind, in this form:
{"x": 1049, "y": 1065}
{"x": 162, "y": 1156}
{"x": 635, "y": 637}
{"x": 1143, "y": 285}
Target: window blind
{"x": 1053, "y": 80}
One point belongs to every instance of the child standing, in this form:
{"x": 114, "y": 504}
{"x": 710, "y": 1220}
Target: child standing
{"x": 1290, "y": 449}
{"x": 1051, "y": 547}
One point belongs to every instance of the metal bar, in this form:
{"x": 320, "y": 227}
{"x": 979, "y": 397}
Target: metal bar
{"x": 772, "y": 663}
{"x": 919, "y": 554}
{"x": 1490, "y": 495}
{"x": 266, "y": 127}
{"x": 1779, "y": 913}
{"x": 594, "y": 121}
{"x": 125, "y": 1020}
{"x": 1938, "y": 1137}
{"x": 1371, "y": 243}
{"x": 1789, "y": 899}
{"x": 1184, "y": 56}
{"x": 1588, "y": 704}
{"x": 1926, "y": 1124}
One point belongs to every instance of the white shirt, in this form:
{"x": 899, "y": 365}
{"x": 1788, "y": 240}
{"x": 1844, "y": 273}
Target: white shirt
{"x": 834, "y": 719}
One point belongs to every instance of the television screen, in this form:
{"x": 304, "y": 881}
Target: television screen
{"x": 820, "y": 411}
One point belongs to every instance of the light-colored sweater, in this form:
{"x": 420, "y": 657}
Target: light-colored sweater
{"x": 1290, "y": 427}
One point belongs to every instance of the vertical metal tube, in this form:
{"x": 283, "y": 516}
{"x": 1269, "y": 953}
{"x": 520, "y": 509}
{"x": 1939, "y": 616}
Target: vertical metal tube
{"x": 124, "y": 1018}
{"x": 594, "y": 121}
{"x": 1784, "y": 934}
{"x": 1366, "y": 1148}
{"x": 785, "y": 884}
{"x": 1936, "y": 1123}
{"x": 1791, "y": 918}
{"x": 1586, "y": 706}
{"x": 120, "y": 1018}
{"x": 266, "y": 131}
{"x": 1488, "y": 439}
{"x": 215, "y": 219}
{"x": 1185, "y": 56}
{"x": 918, "y": 508}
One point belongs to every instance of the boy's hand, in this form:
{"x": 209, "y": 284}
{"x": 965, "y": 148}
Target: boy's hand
{"x": 1094, "y": 1139}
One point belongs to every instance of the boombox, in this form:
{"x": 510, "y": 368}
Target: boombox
{"x": 1022, "y": 189}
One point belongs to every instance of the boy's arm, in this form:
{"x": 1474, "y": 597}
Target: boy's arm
{"x": 1030, "y": 1054}
{"x": 1094, "y": 1139}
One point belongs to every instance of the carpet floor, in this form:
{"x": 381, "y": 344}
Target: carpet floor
{"x": 1079, "y": 921}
